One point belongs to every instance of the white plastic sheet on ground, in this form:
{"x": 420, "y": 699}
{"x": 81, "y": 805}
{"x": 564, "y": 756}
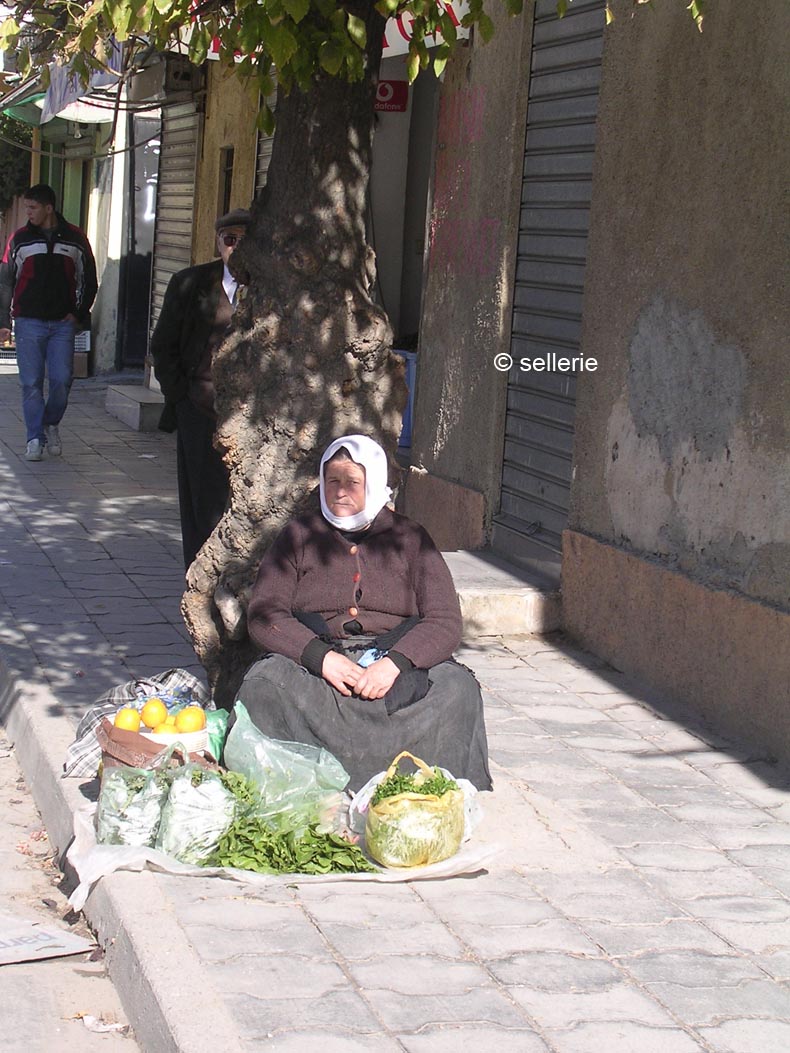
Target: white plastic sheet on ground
{"x": 92, "y": 861}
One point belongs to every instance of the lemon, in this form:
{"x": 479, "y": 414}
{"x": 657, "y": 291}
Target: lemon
{"x": 192, "y": 718}
{"x": 154, "y": 712}
{"x": 128, "y": 719}
{"x": 163, "y": 729}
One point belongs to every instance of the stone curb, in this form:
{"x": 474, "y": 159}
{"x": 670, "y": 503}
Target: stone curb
{"x": 164, "y": 990}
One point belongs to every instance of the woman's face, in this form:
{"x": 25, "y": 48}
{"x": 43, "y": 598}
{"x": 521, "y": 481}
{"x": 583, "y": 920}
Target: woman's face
{"x": 344, "y": 487}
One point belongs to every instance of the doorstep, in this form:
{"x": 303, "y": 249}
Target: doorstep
{"x": 500, "y": 599}
{"x": 135, "y": 405}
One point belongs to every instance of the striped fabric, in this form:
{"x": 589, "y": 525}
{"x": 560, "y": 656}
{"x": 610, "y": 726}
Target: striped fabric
{"x": 84, "y": 754}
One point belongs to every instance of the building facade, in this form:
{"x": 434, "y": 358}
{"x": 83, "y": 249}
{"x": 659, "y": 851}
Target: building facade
{"x": 622, "y": 198}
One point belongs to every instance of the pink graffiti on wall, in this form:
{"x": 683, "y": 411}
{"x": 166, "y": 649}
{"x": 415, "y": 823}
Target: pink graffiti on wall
{"x": 460, "y": 239}
{"x": 466, "y": 245}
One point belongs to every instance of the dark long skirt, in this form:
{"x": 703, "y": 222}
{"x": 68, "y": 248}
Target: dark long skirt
{"x": 446, "y": 727}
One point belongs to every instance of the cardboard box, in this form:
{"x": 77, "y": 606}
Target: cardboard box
{"x": 80, "y": 364}
{"x": 82, "y": 354}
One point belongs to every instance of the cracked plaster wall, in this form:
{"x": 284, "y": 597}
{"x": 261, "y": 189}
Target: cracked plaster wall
{"x": 682, "y": 446}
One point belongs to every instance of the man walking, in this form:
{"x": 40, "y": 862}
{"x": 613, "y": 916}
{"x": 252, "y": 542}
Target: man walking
{"x": 48, "y": 279}
{"x": 196, "y": 311}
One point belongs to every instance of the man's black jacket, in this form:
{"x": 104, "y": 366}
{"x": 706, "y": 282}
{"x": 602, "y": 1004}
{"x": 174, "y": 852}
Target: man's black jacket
{"x": 183, "y": 331}
{"x": 48, "y": 277}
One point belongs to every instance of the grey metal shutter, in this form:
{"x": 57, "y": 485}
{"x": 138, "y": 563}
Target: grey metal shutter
{"x": 552, "y": 246}
{"x": 264, "y": 152}
{"x": 175, "y": 199}
{"x": 264, "y": 156}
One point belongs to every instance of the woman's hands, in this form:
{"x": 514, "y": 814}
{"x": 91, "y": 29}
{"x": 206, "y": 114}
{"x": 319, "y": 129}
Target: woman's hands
{"x": 340, "y": 672}
{"x": 349, "y": 678}
{"x": 377, "y": 679}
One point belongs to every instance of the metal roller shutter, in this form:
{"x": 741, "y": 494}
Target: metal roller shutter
{"x": 264, "y": 153}
{"x": 552, "y": 246}
{"x": 264, "y": 156}
{"x": 175, "y": 199}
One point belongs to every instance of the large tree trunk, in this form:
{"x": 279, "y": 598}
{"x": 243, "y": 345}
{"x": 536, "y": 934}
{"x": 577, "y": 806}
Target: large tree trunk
{"x": 308, "y": 358}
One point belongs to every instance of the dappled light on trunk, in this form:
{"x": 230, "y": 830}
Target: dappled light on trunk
{"x": 308, "y": 358}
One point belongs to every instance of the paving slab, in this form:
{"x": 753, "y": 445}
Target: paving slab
{"x": 639, "y": 900}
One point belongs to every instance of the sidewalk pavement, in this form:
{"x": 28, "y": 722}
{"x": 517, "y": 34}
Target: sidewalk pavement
{"x": 639, "y": 904}
{"x": 53, "y": 1004}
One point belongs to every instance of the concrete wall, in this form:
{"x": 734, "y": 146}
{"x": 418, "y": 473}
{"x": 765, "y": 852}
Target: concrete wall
{"x": 467, "y": 295}
{"x": 104, "y": 316}
{"x": 105, "y": 226}
{"x": 388, "y": 192}
{"x": 402, "y": 158}
{"x": 229, "y": 120}
{"x": 425, "y": 94}
{"x": 682, "y": 448}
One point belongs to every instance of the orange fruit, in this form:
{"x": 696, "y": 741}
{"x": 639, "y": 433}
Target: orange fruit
{"x": 128, "y": 719}
{"x": 154, "y": 712}
{"x": 192, "y": 718}
{"x": 163, "y": 729}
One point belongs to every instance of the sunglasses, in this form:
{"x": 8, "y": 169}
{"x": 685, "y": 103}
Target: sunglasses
{"x": 229, "y": 239}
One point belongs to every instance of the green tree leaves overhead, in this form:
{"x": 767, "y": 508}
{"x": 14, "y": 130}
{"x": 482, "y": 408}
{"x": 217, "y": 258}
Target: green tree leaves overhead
{"x": 293, "y": 41}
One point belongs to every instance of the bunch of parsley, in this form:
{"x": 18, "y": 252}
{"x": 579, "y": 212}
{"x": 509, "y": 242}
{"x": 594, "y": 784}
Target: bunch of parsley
{"x": 415, "y": 782}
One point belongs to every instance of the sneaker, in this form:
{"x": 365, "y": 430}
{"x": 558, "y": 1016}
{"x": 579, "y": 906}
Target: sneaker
{"x": 54, "y": 445}
{"x": 34, "y": 450}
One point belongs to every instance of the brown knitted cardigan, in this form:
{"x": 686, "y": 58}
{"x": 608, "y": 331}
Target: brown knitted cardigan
{"x": 377, "y": 578}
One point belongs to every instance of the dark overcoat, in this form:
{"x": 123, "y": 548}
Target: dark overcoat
{"x": 183, "y": 331}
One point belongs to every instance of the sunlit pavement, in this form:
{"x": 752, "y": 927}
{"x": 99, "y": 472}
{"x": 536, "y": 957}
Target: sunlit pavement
{"x": 639, "y": 901}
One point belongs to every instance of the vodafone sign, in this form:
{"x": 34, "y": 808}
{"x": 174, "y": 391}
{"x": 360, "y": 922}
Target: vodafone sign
{"x": 397, "y": 32}
{"x": 392, "y": 96}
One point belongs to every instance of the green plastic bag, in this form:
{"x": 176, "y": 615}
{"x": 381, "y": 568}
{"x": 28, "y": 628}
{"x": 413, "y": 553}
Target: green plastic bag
{"x": 217, "y": 729}
{"x": 298, "y": 783}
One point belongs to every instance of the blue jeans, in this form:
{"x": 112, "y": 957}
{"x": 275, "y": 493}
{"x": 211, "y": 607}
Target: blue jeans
{"x": 44, "y": 346}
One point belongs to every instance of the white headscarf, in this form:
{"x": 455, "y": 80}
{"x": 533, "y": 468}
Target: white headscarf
{"x": 373, "y": 459}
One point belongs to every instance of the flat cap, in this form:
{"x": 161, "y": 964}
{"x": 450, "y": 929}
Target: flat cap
{"x": 237, "y": 217}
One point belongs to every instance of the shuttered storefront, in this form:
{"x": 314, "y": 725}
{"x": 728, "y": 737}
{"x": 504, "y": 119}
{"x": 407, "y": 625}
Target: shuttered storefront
{"x": 263, "y": 153}
{"x": 263, "y": 157}
{"x": 552, "y": 246}
{"x": 175, "y": 199}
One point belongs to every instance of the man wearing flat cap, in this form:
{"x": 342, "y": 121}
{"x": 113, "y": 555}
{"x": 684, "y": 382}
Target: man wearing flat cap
{"x": 196, "y": 312}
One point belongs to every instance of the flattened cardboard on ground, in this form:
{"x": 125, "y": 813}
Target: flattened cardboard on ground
{"x": 27, "y": 941}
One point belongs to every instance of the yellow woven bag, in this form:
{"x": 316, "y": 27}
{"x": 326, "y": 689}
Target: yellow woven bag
{"x": 412, "y": 829}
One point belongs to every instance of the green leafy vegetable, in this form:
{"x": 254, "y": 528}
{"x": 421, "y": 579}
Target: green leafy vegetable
{"x": 245, "y": 792}
{"x": 435, "y": 785}
{"x": 130, "y": 805}
{"x": 251, "y": 844}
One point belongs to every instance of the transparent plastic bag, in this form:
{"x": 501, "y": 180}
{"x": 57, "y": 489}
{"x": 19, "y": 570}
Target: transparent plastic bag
{"x": 196, "y": 814}
{"x": 298, "y": 784}
{"x": 130, "y": 805}
{"x": 413, "y": 829}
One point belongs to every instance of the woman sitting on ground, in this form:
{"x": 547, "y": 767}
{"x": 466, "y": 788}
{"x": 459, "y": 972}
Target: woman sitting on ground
{"x": 359, "y": 617}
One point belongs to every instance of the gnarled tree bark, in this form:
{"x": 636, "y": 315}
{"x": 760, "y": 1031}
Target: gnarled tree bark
{"x": 308, "y": 357}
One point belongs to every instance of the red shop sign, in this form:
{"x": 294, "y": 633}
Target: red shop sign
{"x": 392, "y": 96}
